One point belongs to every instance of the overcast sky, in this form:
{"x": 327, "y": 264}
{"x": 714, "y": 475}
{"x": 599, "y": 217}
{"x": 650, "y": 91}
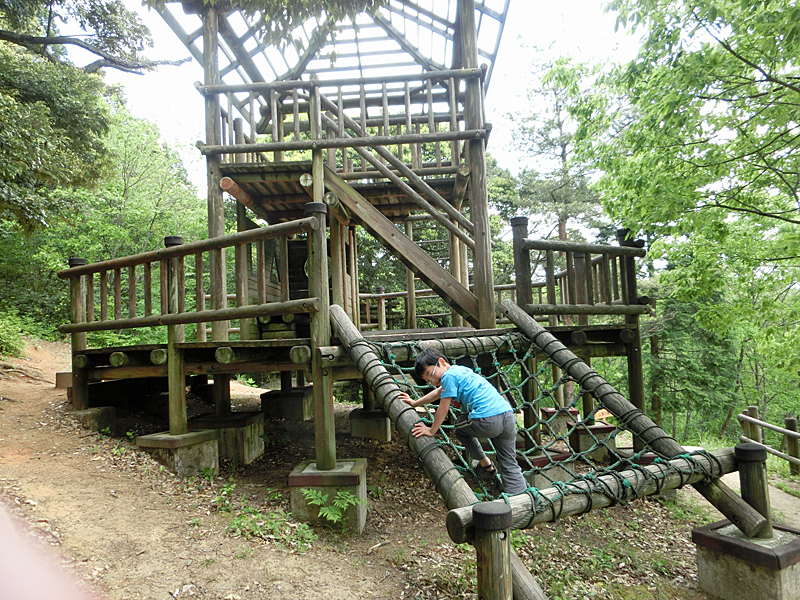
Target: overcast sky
{"x": 576, "y": 28}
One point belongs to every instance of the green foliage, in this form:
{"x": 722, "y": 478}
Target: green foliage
{"x": 333, "y": 512}
{"x": 11, "y": 341}
{"x": 275, "y": 526}
{"x": 223, "y": 501}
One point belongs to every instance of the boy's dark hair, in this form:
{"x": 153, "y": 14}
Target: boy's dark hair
{"x": 427, "y": 358}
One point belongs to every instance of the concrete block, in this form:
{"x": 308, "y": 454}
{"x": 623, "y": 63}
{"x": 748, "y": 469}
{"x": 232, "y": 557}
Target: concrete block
{"x": 189, "y": 455}
{"x": 349, "y": 475}
{"x": 295, "y": 405}
{"x": 558, "y": 421}
{"x": 546, "y": 469}
{"x": 63, "y": 380}
{"x": 584, "y": 437}
{"x": 370, "y": 424}
{"x": 102, "y": 419}
{"x": 241, "y": 435}
{"x": 732, "y": 567}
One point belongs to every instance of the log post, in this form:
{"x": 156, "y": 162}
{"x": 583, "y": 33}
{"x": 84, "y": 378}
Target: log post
{"x": 381, "y": 308}
{"x": 634, "y": 348}
{"x": 522, "y": 276}
{"x": 492, "y": 522}
{"x": 792, "y": 444}
{"x": 478, "y": 202}
{"x": 176, "y": 378}
{"x": 437, "y": 465}
{"x": 322, "y": 391}
{"x": 756, "y": 433}
{"x": 411, "y": 297}
{"x": 77, "y": 296}
{"x": 752, "y": 461}
{"x": 717, "y": 493}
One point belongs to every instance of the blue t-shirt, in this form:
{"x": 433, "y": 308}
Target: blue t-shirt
{"x": 478, "y": 398}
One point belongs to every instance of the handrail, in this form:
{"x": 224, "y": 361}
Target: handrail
{"x": 559, "y": 246}
{"x": 789, "y": 434}
{"x": 216, "y": 243}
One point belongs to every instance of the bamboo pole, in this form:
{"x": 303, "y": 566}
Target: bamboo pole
{"x": 720, "y": 495}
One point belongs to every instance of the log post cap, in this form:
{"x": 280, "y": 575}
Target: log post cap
{"x": 579, "y": 338}
{"x": 491, "y": 516}
{"x": 517, "y": 221}
{"x": 75, "y": 261}
{"x": 750, "y": 452}
{"x": 173, "y": 240}
{"x": 380, "y": 289}
{"x": 311, "y": 208}
{"x": 626, "y": 336}
{"x": 330, "y": 199}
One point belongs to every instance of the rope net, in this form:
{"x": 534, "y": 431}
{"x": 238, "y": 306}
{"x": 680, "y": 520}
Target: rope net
{"x": 564, "y": 435}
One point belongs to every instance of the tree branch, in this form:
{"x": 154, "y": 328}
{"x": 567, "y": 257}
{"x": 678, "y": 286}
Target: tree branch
{"x": 106, "y": 58}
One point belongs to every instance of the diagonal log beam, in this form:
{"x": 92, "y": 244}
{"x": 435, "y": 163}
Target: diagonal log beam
{"x": 741, "y": 514}
{"x": 398, "y": 164}
{"x": 424, "y": 204}
{"x": 411, "y": 255}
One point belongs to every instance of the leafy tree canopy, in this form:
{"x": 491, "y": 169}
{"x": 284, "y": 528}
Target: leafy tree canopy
{"x": 701, "y": 127}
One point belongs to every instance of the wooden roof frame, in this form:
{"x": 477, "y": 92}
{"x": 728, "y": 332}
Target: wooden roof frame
{"x": 404, "y": 37}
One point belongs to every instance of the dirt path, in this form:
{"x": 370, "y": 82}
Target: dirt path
{"x": 128, "y": 529}
{"x": 125, "y": 528}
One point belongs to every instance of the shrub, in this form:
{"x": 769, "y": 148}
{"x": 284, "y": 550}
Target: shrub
{"x": 11, "y": 327}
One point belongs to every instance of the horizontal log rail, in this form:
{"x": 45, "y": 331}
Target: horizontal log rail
{"x": 752, "y": 433}
{"x": 302, "y": 305}
{"x": 559, "y": 246}
{"x": 217, "y": 243}
{"x": 351, "y": 142}
{"x": 603, "y": 491}
{"x": 309, "y": 85}
{"x": 585, "y": 309}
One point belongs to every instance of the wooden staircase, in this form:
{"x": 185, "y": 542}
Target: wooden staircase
{"x": 411, "y": 255}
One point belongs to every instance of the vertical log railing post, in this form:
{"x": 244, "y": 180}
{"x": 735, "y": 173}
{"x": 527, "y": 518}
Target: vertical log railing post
{"x": 411, "y": 297}
{"x": 77, "y": 296}
{"x": 752, "y": 462}
{"x": 176, "y": 380}
{"x": 756, "y": 433}
{"x": 522, "y": 276}
{"x": 492, "y": 521}
{"x": 199, "y": 294}
{"x": 479, "y": 206}
{"x": 634, "y": 347}
{"x": 792, "y": 444}
{"x": 381, "y": 308}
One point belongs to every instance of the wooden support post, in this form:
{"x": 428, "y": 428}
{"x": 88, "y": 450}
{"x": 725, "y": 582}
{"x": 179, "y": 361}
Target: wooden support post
{"x": 634, "y": 348}
{"x": 720, "y": 495}
{"x": 77, "y": 296}
{"x": 492, "y": 521}
{"x": 478, "y": 201}
{"x": 176, "y": 378}
{"x": 756, "y": 434}
{"x": 355, "y": 309}
{"x": 752, "y": 461}
{"x": 337, "y": 252}
{"x": 411, "y": 297}
{"x": 792, "y": 444}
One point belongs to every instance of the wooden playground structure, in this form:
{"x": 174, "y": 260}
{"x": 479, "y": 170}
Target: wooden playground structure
{"x": 384, "y": 138}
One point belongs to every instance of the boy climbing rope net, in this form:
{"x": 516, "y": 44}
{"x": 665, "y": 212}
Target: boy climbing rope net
{"x": 484, "y": 414}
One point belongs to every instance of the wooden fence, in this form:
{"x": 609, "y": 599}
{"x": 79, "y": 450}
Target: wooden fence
{"x": 753, "y": 426}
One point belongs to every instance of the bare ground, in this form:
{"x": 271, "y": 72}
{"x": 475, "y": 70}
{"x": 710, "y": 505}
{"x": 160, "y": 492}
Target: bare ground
{"x": 124, "y": 527}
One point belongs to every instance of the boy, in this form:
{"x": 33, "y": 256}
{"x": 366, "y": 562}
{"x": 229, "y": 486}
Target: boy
{"x": 484, "y": 414}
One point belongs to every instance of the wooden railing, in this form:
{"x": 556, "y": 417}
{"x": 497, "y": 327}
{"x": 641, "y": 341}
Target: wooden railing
{"x": 597, "y": 279}
{"x": 376, "y": 308}
{"x": 752, "y": 428}
{"x": 159, "y": 278}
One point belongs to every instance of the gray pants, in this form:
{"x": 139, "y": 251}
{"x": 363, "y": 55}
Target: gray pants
{"x": 502, "y": 430}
